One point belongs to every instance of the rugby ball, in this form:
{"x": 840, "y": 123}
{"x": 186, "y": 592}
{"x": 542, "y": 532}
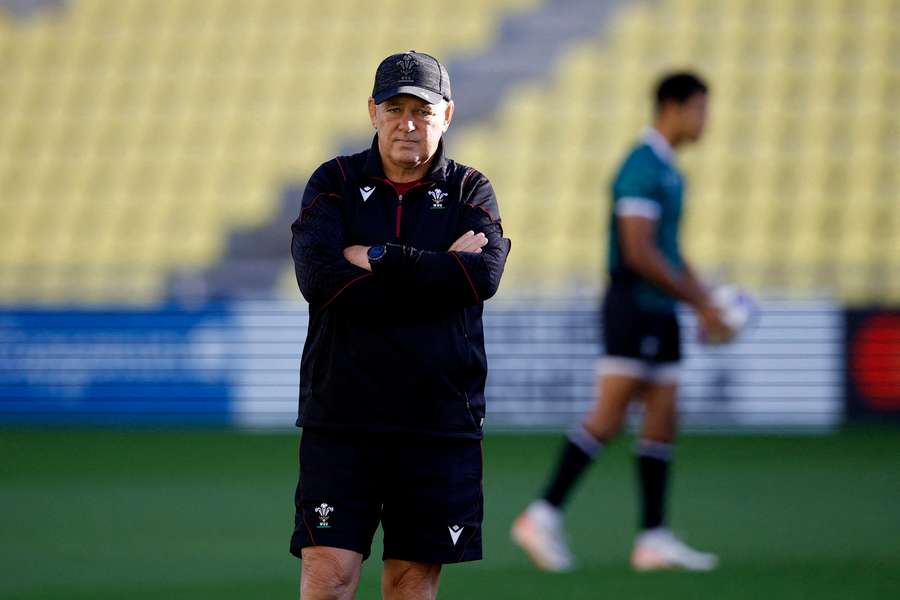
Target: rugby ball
{"x": 737, "y": 307}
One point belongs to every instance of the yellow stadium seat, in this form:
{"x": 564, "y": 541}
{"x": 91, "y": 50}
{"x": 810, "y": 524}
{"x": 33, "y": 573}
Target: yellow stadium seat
{"x": 158, "y": 140}
{"x": 793, "y": 136}
{"x": 154, "y": 129}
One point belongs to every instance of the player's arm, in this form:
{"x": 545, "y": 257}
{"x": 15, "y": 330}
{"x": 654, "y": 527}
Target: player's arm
{"x": 324, "y": 275}
{"x": 467, "y": 273}
{"x": 640, "y": 253}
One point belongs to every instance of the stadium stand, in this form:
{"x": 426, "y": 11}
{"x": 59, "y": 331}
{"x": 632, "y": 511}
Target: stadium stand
{"x": 135, "y": 135}
{"x": 794, "y": 190}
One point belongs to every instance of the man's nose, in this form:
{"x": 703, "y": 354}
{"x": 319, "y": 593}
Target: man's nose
{"x": 407, "y": 124}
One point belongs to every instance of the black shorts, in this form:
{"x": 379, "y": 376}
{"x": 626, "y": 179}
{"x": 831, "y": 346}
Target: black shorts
{"x": 425, "y": 492}
{"x": 629, "y": 332}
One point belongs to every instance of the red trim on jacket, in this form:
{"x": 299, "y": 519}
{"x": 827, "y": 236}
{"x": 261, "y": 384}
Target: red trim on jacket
{"x": 348, "y": 284}
{"x": 482, "y": 209}
{"x": 316, "y": 199}
{"x": 466, "y": 273}
{"x": 466, "y": 177}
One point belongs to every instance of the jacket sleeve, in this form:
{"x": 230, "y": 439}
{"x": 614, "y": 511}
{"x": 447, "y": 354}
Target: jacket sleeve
{"x": 455, "y": 278}
{"x": 317, "y": 242}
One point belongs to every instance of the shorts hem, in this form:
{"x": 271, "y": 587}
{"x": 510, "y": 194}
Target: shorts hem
{"x": 350, "y": 429}
{"x": 296, "y": 549}
{"x": 467, "y": 556}
{"x": 663, "y": 372}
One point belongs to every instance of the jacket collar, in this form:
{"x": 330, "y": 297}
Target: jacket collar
{"x": 437, "y": 170}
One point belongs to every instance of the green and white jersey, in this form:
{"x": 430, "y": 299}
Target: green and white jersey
{"x": 649, "y": 185}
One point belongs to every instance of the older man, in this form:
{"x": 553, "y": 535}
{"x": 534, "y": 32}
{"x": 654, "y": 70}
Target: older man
{"x": 395, "y": 248}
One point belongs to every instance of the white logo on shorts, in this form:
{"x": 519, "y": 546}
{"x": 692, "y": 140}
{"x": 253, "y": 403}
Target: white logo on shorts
{"x": 324, "y": 511}
{"x": 455, "y": 532}
{"x": 650, "y": 346}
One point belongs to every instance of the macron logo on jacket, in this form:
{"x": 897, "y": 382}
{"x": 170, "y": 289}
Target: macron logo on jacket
{"x": 366, "y": 191}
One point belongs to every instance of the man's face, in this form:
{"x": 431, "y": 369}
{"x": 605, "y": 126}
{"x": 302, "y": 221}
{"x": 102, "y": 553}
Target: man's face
{"x": 409, "y": 129}
{"x": 692, "y": 115}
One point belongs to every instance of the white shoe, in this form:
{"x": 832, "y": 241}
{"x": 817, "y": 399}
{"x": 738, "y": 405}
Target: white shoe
{"x": 539, "y": 532}
{"x": 657, "y": 549}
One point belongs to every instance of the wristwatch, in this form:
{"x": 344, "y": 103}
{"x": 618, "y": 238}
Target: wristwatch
{"x": 376, "y": 253}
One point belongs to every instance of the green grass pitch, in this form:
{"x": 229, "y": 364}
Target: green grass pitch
{"x": 207, "y": 514}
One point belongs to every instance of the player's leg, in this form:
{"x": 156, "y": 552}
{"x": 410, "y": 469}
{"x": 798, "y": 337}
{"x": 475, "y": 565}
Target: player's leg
{"x": 407, "y": 580}
{"x": 654, "y": 452}
{"x": 539, "y": 529}
{"x": 329, "y": 573}
{"x": 656, "y": 547}
{"x": 620, "y": 373}
{"x": 615, "y": 390}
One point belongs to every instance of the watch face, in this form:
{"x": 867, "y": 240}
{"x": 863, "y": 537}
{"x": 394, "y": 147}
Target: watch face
{"x": 376, "y": 252}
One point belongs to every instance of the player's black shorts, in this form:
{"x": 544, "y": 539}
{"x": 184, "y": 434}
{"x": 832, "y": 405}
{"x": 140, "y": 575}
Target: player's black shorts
{"x": 633, "y": 333}
{"x": 425, "y": 492}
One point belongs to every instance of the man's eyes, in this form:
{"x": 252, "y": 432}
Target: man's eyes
{"x": 420, "y": 112}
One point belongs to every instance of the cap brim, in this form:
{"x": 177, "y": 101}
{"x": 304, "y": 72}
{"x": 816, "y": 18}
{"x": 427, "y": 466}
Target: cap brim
{"x": 426, "y": 95}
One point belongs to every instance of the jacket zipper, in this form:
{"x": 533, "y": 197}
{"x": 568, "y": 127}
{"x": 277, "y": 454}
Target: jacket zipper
{"x": 399, "y": 214}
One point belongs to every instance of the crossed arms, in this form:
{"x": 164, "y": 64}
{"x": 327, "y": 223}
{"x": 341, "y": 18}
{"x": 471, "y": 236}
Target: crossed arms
{"x": 330, "y": 271}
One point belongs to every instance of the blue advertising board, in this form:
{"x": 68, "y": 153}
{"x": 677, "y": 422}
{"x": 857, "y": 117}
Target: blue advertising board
{"x": 238, "y": 364}
{"x": 158, "y": 366}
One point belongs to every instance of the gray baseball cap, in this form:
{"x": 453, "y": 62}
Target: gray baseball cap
{"x": 414, "y": 73}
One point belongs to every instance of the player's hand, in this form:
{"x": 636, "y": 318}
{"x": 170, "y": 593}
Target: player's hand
{"x": 469, "y": 242}
{"x": 358, "y": 255}
{"x": 713, "y": 329}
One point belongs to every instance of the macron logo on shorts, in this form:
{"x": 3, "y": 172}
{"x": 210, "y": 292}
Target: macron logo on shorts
{"x": 455, "y": 532}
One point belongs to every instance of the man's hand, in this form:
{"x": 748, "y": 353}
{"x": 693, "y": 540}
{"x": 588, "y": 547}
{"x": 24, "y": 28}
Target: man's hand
{"x": 469, "y": 242}
{"x": 713, "y": 328}
{"x": 358, "y": 255}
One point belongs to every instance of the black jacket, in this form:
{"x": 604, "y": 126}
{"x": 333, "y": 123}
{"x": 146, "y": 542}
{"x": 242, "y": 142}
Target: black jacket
{"x": 399, "y": 349}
